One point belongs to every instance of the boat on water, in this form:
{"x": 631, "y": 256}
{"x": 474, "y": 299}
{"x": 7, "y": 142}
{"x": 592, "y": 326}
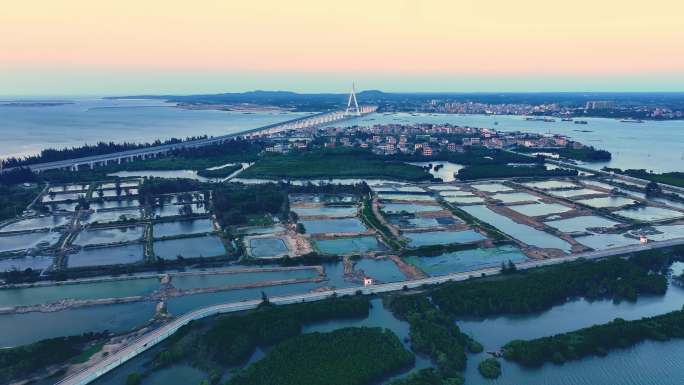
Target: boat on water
{"x": 567, "y": 119}
{"x": 581, "y": 122}
{"x": 631, "y": 120}
{"x": 539, "y": 119}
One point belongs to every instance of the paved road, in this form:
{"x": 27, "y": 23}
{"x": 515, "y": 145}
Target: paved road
{"x": 148, "y": 340}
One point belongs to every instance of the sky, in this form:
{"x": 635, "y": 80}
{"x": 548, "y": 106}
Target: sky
{"x": 201, "y": 46}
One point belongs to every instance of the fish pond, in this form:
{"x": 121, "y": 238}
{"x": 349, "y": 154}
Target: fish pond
{"x": 538, "y": 209}
{"x": 104, "y": 256}
{"x": 580, "y": 224}
{"x": 443, "y": 237}
{"x": 195, "y": 247}
{"x": 345, "y": 225}
{"x": 109, "y": 235}
{"x": 172, "y": 229}
{"x": 267, "y": 247}
{"x": 28, "y": 240}
{"x": 523, "y": 233}
{"x": 349, "y": 245}
{"x": 465, "y": 260}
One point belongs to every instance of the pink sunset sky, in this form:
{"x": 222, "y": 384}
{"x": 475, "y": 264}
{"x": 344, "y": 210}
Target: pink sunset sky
{"x": 150, "y": 46}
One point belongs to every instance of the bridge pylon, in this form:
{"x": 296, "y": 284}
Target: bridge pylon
{"x": 355, "y": 107}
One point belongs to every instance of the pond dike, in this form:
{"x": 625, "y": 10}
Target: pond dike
{"x": 167, "y": 290}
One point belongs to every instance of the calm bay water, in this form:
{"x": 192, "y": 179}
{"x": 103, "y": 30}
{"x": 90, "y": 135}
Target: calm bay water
{"x": 27, "y": 130}
{"x": 657, "y": 146}
{"x": 654, "y": 145}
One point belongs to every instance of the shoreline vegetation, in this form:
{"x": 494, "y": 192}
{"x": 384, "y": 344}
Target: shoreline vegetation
{"x": 539, "y": 290}
{"x": 669, "y": 178}
{"x": 597, "y": 340}
{"x": 585, "y": 154}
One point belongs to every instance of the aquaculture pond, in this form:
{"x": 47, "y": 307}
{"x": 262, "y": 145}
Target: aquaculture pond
{"x": 398, "y": 189}
{"x": 455, "y": 193}
{"x": 109, "y": 235}
{"x": 110, "y": 216}
{"x": 195, "y": 247}
{"x": 574, "y": 193}
{"x": 71, "y": 207}
{"x": 103, "y": 256}
{"x": 667, "y": 232}
{"x": 649, "y": 213}
{"x": 115, "y": 204}
{"x": 194, "y": 281}
{"x": 124, "y": 184}
{"x": 267, "y": 247}
{"x": 442, "y": 237}
{"x": 258, "y": 230}
{"x": 37, "y": 223}
{"x": 328, "y": 211}
{"x": 411, "y": 208}
{"x": 606, "y": 241}
{"x": 538, "y": 209}
{"x": 523, "y": 233}
{"x": 334, "y": 275}
{"x": 345, "y": 225}
{"x": 53, "y": 293}
{"x": 610, "y": 201}
{"x": 28, "y": 240}
{"x": 406, "y": 197}
{"x": 381, "y": 270}
{"x": 166, "y": 174}
{"x": 423, "y": 222}
{"x": 175, "y": 210}
{"x": 491, "y": 187}
{"x": 465, "y": 260}
{"x": 444, "y": 187}
{"x": 124, "y": 193}
{"x": 68, "y": 187}
{"x": 463, "y": 200}
{"x": 35, "y": 326}
{"x": 350, "y": 245}
{"x": 184, "y": 304}
{"x": 172, "y": 229}
{"x": 551, "y": 184}
{"x": 26, "y": 262}
{"x": 57, "y": 197}
{"x": 580, "y": 224}
{"x": 515, "y": 197}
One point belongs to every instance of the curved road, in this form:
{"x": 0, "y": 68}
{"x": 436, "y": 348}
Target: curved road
{"x": 146, "y": 341}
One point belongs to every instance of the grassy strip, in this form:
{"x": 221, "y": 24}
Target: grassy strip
{"x": 369, "y": 218}
{"x": 492, "y": 232}
{"x": 595, "y": 340}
